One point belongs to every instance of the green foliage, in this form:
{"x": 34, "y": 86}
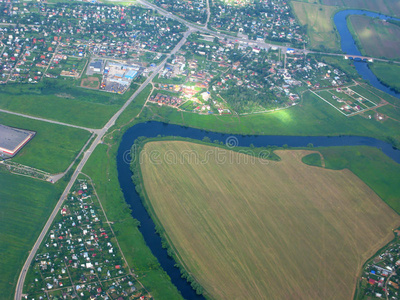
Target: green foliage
{"x": 313, "y": 159}
{"x": 25, "y": 206}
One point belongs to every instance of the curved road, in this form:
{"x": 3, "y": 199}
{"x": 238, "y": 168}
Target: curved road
{"x": 86, "y": 155}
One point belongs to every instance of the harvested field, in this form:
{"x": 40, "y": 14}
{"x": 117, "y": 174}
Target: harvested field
{"x": 282, "y": 229}
{"x": 376, "y": 37}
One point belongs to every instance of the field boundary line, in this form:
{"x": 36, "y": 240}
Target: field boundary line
{"x": 47, "y": 120}
{"x": 329, "y": 103}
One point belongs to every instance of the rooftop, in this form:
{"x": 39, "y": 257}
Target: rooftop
{"x": 13, "y": 139}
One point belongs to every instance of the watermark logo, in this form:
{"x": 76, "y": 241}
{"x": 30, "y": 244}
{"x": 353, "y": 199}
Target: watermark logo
{"x": 231, "y": 142}
{"x": 213, "y": 155}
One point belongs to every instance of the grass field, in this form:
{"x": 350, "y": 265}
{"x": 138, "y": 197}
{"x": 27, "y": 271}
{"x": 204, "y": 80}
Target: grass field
{"x": 62, "y": 101}
{"x": 391, "y": 7}
{"x": 387, "y": 73}
{"x": 54, "y": 146}
{"x": 320, "y": 26}
{"x": 283, "y": 229}
{"x": 24, "y": 208}
{"x": 377, "y": 38}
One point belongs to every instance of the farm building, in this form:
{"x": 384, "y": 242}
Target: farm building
{"x": 12, "y": 140}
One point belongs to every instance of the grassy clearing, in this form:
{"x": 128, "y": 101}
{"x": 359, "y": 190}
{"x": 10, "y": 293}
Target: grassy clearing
{"x": 54, "y": 146}
{"x": 388, "y": 74}
{"x": 313, "y": 159}
{"x": 310, "y": 233}
{"x": 377, "y": 38}
{"x": 24, "y": 208}
{"x": 320, "y": 26}
{"x": 62, "y": 101}
{"x": 391, "y": 8}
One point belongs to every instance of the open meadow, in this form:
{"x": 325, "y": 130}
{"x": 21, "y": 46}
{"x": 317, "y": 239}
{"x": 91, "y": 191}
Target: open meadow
{"x": 250, "y": 229}
{"x": 377, "y": 38}
{"x": 62, "y": 101}
{"x": 53, "y": 147}
{"x": 320, "y": 26}
{"x": 387, "y": 73}
{"x": 25, "y": 205}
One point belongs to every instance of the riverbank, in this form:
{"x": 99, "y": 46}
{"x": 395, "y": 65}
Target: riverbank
{"x": 370, "y": 164}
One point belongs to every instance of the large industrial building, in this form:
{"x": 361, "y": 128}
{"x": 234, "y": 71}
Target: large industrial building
{"x": 12, "y": 140}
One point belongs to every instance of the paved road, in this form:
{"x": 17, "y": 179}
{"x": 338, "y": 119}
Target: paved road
{"x": 86, "y": 155}
{"x": 49, "y": 121}
{"x": 259, "y": 44}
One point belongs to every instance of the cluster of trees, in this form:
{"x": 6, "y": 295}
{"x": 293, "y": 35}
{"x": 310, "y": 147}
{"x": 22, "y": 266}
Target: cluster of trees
{"x": 244, "y": 99}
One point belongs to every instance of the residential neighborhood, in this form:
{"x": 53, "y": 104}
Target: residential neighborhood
{"x": 81, "y": 258}
{"x": 380, "y": 278}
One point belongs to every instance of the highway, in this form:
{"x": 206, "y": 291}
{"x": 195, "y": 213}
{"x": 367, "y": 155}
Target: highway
{"x": 86, "y": 156}
{"x": 260, "y": 44}
{"x": 101, "y": 132}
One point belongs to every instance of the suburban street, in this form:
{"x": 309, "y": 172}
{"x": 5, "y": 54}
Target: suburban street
{"x": 86, "y": 156}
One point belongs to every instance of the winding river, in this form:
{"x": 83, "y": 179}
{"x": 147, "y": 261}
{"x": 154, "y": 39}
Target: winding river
{"x": 153, "y": 129}
{"x": 349, "y": 46}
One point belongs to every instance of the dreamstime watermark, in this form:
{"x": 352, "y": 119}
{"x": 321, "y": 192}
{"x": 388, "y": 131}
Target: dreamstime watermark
{"x": 215, "y": 155}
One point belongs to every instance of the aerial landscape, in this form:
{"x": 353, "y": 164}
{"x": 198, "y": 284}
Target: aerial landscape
{"x": 203, "y": 149}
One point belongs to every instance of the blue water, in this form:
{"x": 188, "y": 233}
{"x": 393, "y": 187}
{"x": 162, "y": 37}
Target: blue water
{"x": 349, "y": 46}
{"x": 153, "y": 129}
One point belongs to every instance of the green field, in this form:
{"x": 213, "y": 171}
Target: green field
{"x": 63, "y": 101}
{"x": 391, "y": 7}
{"x": 377, "y": 38}
{"x": 24, "y": 208}
{"x": 313, "y": 159}
{"x": 237, "y": 246}
{"x": 320, "y": 26}
{"x": 54, "y": 146}
{"x": 387, "y": 73}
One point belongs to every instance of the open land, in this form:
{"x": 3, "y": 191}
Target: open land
{"x": 387, "y": 73}
{"x": 391, "y": 8}
{"x": 377, "y": 38}
{"x": 237, "y": 246}
{"x": 61, "y": 101}
{"x": 320, "y": 26}
{"x": 54, "y": 146}
{"x": 24, "y": 210}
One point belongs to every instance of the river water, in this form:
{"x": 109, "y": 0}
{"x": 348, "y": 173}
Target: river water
{"x": 349, "y": 46}
{"x": 153, "y": 129}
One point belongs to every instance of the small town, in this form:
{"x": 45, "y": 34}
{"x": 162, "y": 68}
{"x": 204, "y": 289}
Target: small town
{"x": 380, "y": 278}
{"x": 80, "y": 258}
{"x": 208, "y": 75}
